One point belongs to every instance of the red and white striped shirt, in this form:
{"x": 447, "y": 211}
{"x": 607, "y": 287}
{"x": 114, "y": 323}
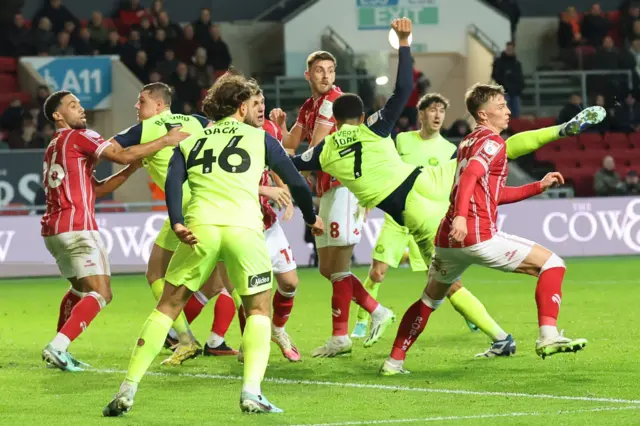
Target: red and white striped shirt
{"x": 69, "y": 162}
{"x": 489, "y": 150}
{"x": 319, "y": 111}
{"x": 269, "y": 216}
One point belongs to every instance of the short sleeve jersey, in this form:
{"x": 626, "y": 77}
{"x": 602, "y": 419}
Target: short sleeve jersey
{"x": 224, "y": 165}
{"x": 319, "y": 111}
{"x": 69, "y": 162}
{"x": 489, "y": 149}
{"x": 153, "y": 128}
{"x": 424, "y": 153}
{"x": 367, "y": 164}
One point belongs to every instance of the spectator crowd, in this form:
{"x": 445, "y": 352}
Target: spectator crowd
{"x": 188, "y": 57}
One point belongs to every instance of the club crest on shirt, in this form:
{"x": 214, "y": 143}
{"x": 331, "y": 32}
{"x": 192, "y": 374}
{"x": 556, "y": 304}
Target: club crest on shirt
{"x": 307, "y": 155}
{"x": 491, "y": 147}
{"x": 433, "y": 161}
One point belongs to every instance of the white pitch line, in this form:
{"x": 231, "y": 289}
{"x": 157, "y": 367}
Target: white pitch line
{"x": 389, "y": 387}
{"x": 472, "y": 417}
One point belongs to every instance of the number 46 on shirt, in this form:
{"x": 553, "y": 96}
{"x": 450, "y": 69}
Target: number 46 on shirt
{"x": 208, "y": 158}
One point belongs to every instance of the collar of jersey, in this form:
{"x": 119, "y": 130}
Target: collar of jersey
{"x": 230, "y": 118}
{"x": 163, "y": 113}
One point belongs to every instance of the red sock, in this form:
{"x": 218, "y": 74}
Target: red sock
{"x": 413, "y": 323}
{"x": 340, "y": 301}
{"x": 362, "y": 296}
{"x": 193, "y": 307}
{"x": 282, "y": 307}
{"x": 81, "y": 316}
{"x": 223, "y": 313}
{"x": 67, "y": 304}
{"x": 242, "y": 319}
{"x": 549, "y": 295}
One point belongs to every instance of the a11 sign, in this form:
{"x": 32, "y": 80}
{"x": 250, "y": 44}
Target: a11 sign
{"x": 87, "y": 77}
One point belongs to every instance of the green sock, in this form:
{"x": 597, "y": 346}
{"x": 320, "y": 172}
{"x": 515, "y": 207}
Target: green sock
{"x": 372, "y": 287}
{"x": 256, "y": 344}
{"x": 473, "y": 310}
{"x": 181, "y": 325}
{"x": 237, "y": 300}
{"x": 526, "y": 142}
{"x": 149, "y": 344}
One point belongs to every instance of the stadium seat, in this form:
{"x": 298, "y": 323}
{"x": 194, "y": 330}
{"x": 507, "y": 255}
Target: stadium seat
{"x": 617, "y": 140}
{"x": 634, "y": 139}
{"x": 518, "y": 125}
{"x": 541, "y": 122}
{"x": 9, "y": 83}
{"x": 590, "y": 139}
{"x": 8, "y": 65}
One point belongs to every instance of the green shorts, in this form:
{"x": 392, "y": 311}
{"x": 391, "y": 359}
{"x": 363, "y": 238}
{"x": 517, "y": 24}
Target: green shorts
{"x": 243, "y": 251}
{"x": 166, "y": 238}
{"x": 422, "y": 215}
{"x": 392, "y": 244}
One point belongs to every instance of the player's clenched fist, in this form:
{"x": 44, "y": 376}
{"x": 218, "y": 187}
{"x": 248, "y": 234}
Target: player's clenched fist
{"x": 402, "y": 27}
{"x": 550, "y": 180}
{"x": 458, "y": 229}
{"x": 317, "y": 228}
{"x": 278, "y": 116}
{"x": 184, "y": 234}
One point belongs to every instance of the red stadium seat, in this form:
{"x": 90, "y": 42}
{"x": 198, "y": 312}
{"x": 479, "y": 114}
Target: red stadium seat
{"x": 590, "y": 139}
{"x": 9, "y": 83}
{"x": 6, "y": 98}
{"x": 518, "y": 125}
{"x": 617, "y": 140}
{"x": 8, "y": 65}
{"x": 634, "y": 139}
{"x": 544, "y": 122}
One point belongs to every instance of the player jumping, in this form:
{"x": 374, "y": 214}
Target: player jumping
{"x": 223, "y": 165}
{"x": 364, "y": 158}
{"x": 339, "y": 209}
{"x": 69, "y": 226}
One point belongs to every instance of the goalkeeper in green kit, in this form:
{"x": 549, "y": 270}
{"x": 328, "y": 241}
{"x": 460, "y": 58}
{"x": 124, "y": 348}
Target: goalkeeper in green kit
{"x": 364, "y": 158}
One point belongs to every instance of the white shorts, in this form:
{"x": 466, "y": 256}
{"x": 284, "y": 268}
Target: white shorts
{"x": 503, "y": 252}
{"x": 342, "y": 217}
{"x": 279, "y": 250}
{"x": 79, "y": 254}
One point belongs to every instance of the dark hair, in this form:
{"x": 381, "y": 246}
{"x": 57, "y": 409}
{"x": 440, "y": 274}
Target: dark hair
{"x": 432, "y": 98}
{"x": 320, "y": 55}
{"x": 348, "y": 107}
{"x": 158, "y": 89}
{"x": 53, "y": 102}
{"x": 479, "y": 94}
{"x": 226, "y": 95}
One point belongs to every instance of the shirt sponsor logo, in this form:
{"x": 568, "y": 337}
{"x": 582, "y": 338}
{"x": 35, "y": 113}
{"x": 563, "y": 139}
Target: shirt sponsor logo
{"x": 259, "y": 280}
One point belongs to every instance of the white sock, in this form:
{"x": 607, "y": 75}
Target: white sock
{"x": 501, "y": 336}
{"x": 548, "y": 332}
{"x": 173, "y": 334}
{"x": 395, "y": 362}
{"x": 251, "y": 389}
{"x": 60, "y": 342}
{"x": 129, "y": 386}
{"x": 340, "y": 339}
{"x": 379, "y": 313}
{"x": 276, "y": 330}
{"x": 214, "y": 340}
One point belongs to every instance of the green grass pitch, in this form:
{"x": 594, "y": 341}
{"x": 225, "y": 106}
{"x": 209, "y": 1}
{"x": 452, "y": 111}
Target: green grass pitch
{"x": 600, "y": 385}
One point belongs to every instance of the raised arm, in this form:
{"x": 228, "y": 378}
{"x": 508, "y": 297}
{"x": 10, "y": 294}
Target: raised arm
{"x": 279, "y": 162}
{"x": 383, "y": 121}
{"x": 513, "y": 194}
